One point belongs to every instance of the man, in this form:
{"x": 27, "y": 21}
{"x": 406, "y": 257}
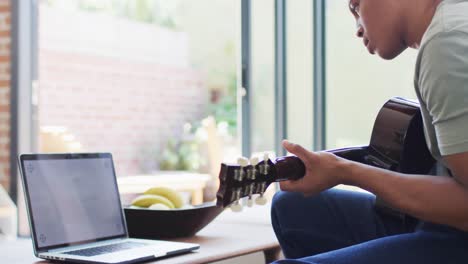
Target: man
{"x": 316, "y": 224}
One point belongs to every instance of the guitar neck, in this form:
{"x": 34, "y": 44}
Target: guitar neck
{"x": 292, "y": 168}
{"x": 397, "y": 143}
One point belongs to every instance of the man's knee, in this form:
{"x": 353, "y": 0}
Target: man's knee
{"x": 295, "y": 201}
{"x": 291, "y": 208}
{"x": 283, "y": 199}
{"x": 281, "y": 204}
{"x": 288, "y": 206}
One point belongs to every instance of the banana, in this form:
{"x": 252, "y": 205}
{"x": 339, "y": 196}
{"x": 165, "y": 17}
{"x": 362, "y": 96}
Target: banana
{"x": 170, "y": 194}
{"x": 147, "y": 200}
{"x": 159, "y": 206}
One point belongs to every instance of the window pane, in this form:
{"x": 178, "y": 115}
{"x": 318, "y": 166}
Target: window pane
{"x": 152, "y": 81}
{"x": 300, "y": 71}
{"x": 358, "y": 84}
{"x": 263, "y": 82}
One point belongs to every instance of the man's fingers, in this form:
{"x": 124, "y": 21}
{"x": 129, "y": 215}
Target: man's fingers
{"x": 291, "y": 186}
{"x": 285, "y": 186}
{"x": 296, "y": 149}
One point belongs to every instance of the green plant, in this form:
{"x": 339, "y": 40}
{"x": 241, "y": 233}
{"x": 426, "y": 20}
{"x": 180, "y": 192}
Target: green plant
{"x": 182, "y": 155}
{"x": 225, "y": 109}
{"x": 169, "y": 158}
{"x": 145, "y": 11}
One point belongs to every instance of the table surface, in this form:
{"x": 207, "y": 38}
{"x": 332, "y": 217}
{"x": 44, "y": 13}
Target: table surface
{"x": 229, "y": 235}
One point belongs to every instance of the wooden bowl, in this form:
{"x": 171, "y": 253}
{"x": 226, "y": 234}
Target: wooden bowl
{"x": 160, "y": 224}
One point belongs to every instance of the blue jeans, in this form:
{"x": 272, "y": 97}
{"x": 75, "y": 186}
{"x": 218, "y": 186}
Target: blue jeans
{"x": 338, "y": 227}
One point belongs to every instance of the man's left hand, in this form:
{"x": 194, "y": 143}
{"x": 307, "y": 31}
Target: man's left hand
{"x": 322, "y": 171}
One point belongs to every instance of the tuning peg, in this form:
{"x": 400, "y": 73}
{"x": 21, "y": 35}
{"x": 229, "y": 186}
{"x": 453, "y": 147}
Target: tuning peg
{"x": 237, "y": 207}
{"x": 243, "y": 161}
{"x": 261, "y": 200}
{"x": 254, "y": 161}
{"x": 250, "y": 202}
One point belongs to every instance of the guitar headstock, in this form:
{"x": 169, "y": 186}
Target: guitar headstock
{"x": 245, "y": 179}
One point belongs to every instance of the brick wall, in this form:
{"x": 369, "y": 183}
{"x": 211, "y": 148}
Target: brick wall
{"x": 5, "y": 39}
{"x": 127, "y": 108}
{"x": 124, "y": 91}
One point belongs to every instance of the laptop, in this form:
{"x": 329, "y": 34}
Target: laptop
{"x": 75, "y": 213}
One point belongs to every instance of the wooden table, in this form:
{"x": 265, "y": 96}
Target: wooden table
{"x": 230, "y": 235}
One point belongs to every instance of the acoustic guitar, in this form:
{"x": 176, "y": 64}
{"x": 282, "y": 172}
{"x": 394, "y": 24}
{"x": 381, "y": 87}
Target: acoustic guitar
{"x": 397, "y": 143}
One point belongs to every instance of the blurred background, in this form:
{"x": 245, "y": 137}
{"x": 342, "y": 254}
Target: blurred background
{"x": 158, "y": 83}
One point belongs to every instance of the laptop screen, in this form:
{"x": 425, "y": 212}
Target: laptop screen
{"x": 72, "y": 199}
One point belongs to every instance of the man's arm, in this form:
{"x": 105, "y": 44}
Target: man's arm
{"x": 437, "y": 199}
{"x": 442, "y": 83}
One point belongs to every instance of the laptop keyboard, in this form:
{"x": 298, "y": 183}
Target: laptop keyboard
{"x": 89, "y": 252}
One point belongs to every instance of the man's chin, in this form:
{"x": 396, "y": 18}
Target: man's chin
{"x": 388, "y": 55}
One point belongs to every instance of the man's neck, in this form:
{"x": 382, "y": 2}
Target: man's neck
{"x": 418, "y": 18}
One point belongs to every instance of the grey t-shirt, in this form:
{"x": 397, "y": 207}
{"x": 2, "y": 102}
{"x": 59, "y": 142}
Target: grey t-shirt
{"x": 441, "y": 79}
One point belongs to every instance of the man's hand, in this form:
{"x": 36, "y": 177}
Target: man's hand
{"x": 322, "y": 171}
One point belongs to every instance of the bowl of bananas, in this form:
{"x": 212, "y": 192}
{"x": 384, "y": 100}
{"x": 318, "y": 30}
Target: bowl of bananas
{"x": 161, "y": 212}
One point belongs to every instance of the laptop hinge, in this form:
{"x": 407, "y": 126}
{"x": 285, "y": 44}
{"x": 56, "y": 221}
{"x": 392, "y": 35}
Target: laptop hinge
{"x": 85, "y": 245}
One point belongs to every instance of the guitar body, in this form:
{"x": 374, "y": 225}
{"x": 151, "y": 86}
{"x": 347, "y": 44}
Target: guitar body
{"x": 397, "y": 143}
